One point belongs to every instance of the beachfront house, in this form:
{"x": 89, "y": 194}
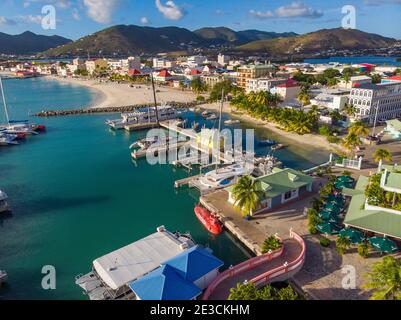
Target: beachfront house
{"x": 279, "y": 188}
{"x": 375, "y": 204}
{"x": 183, "y": 277}
{"x": 394, "y": 128}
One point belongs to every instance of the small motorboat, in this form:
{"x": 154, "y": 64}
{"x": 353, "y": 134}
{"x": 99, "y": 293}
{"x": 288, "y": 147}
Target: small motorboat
{"x": 231, "y": 121}
{"x": 212, "y": 116}
{"x": 278, "y": 147}
{"x": 3, "y": 277}
{"x": 267, "y": 142}
{"x": 209, "y": 220}
{"x": 39, "y": 127}
{"x": 206, "y": 113}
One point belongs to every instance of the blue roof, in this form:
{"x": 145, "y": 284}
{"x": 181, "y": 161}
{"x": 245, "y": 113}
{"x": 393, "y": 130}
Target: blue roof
{"x": 194, "y": 263}
{"x": 164, "y": 283}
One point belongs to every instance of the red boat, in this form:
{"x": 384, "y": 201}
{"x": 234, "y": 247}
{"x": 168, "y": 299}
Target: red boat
{"x": 39, "y": 128}
{"x": 209, "y": 220}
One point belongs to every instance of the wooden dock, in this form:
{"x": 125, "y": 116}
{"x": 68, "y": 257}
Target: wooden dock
{"x": 182, "y": 182}
{"x": 156, "y": 150}
{"x": 140, "y": 126}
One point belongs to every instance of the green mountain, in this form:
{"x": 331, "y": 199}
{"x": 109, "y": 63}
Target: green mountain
{"x": 322, "y": 40}
{"x": 28, "y": 43}
{"x": 226, "y": 36}
{"x": 123, "y": 39}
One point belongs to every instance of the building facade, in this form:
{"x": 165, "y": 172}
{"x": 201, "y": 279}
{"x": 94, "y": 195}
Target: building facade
{"x": 381, "y": 99}
{"x": 262, "y": 84}
{"x": 253, "y": 72}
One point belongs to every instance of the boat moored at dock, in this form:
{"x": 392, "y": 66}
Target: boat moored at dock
{"x": 112, "y": 273}
{"x": 143, "y": 116}
{"x": 209, "y": 220}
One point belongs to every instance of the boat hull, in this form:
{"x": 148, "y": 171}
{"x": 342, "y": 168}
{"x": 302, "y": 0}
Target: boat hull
{"x": 210, "y": 222}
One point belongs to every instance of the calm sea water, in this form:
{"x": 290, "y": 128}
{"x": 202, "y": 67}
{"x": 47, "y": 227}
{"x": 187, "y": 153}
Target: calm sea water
{"x": 76, "y": 194}
{"x": 363, "y": 59}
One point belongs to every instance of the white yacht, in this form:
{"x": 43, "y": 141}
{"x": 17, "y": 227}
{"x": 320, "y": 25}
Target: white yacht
{"x": 224, "y": 177}
{"x": 111, "y": 274}
{"x": 4, "y": 206}
{"x": 144, "y": 115}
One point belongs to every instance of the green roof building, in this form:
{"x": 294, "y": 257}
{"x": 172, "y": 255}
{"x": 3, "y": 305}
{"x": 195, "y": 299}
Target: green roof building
{"x": 394, "y": 128}
{"x": 280, "y": 187}
{"x": 382, "y": 217}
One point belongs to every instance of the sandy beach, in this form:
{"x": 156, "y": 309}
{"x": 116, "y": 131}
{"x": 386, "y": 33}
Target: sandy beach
{"x": 115, "y": 95}
{"x": 112, "y": 94}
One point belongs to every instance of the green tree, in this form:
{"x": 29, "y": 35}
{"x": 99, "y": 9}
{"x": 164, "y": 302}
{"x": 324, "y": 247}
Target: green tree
{"x": 247, "y": 193}
{"x": 376, "y": 78}
{"x": 215, "y": 94}
{"x": 351, "y": 142}
{"x": 249, "y": 291}
{"x": 359, "y": 128}
{"x": 271, "y": 244}
{"x": 349, "y": 110}
{"x": 342, "y": 245}
{"x": 385, "y": 279}
{"x": 198, "y": 86}
{"x": 382, "y": 155}
{"x": 363, "y": 250}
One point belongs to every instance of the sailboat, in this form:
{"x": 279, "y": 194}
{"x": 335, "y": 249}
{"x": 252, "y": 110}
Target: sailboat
{"x": 18, "y": 128}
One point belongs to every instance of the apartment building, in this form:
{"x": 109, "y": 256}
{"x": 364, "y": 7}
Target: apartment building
{"x": 383, "y": 99}
{"x": 253, "y": 72}
{"x": 263, "y": 84}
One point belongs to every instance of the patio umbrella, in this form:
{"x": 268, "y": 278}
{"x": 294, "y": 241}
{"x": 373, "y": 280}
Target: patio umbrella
{"x": 355, "y": 236}
{"x": 332, "y": 207}
{"x": 339, "y": 185}
{"x": 328, "y": 228}
{"x": 345, "y": 179}
{"x": 336, "y": 199}
{"x": 326, "y": 214}
{"x": 383, "y": 244}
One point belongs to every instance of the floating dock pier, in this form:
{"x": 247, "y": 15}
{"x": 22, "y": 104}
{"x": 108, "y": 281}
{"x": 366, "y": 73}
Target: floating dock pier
{"x": 140, "y": 126}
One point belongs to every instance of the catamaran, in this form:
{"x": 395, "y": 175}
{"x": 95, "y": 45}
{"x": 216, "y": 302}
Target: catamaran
{"x": 4, "y": 206}
{"x": 7, "y": 139}
{"x": 144, "y": 115}
{"x": 112, "y": 273}
{"x": 19, "y": 128}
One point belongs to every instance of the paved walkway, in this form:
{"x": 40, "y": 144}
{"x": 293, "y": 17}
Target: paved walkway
{"x": 292, "y": 250}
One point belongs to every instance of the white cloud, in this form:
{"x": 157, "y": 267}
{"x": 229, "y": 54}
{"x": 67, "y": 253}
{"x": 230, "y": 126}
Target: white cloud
{"x": 100, "y": 10}
{"x": 31, "y": 19}
{"x": 170, "y": 10}
{"x": 6, "y": 21}
{"x": 145, "y": 20}
{"x": 63, "y": 4}
{"x": 296, "y": 9}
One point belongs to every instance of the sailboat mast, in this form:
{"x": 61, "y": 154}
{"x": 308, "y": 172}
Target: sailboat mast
{"x": 219, "y": 130}
{"x": 4, "y": 101}
{"x": 154, "y": 99}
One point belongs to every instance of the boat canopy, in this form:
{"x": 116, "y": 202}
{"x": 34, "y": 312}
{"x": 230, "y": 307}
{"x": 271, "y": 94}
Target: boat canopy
{"x": 129, "y": 263}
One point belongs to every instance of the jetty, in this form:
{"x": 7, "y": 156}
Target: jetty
{"x": 113, "y": 109}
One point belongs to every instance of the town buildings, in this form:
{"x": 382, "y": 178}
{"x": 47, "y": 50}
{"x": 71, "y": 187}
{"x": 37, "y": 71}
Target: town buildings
{"x": 253, "y": 72}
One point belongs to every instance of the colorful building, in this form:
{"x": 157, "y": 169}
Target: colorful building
{"x": 253, "y": 72}
{"x": 280, "y": 187}
{"x": 182, "y": 278}
{"x": 371, "y": 215}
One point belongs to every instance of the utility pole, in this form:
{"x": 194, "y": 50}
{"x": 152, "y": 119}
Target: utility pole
{"x": 219, "y": 130}
{"x": 374, "y": 124}
{"x": 154, "y": 98}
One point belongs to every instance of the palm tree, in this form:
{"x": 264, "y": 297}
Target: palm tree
{"x": 342, "y": 245}
{"x": 349, "y": 110}
{"x": 382, "y": 154}
{"x": 304, "y": 98}
{"x": 359, "y": 128}
{"x": 385, "y": 279}
{"x": 351, "y": 141}
{"x": 247, "y": 194}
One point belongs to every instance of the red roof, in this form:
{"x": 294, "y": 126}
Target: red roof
{"x": 134, "y": 72}
{"x": 164, "y": 74}
{"x": 368, "y": 65}
{"x": 290, "y": 83}
{"x": 395, "y": 78}
{"x": 194, "y": 72}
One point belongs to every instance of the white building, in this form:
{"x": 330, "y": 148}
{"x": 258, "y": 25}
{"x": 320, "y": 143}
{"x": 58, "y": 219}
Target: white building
{"x": 262, "y": 84}
{"x": 355, "y": 81}
{"x": 334, "y": 99}
{"x": 223, "y": 59}
{"x": 383, "y": 99}
{"x": 195, "y": 61}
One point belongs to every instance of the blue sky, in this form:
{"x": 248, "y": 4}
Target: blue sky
{"x": 76, "y": 18}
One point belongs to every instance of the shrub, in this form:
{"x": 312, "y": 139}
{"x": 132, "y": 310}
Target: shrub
{"x": 342, "y": 245}
{"x": 271, "y": 243}
{"x": 333, "y": 139}
{"x": 200, "y": 99}
{"x": 325, "y": 242}
{"x": 363, "y": 250}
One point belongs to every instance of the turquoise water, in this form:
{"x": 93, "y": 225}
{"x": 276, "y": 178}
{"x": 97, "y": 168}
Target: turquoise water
{"x": 358, "y": 59}
{"x": 77, "y": 195}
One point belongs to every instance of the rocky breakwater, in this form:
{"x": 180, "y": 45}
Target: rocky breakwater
{"x": 94, "y": 110}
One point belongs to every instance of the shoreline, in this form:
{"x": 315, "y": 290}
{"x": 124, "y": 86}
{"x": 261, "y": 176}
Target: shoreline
{"x": 118, "y": 95}
{"x": 311, "y": 140}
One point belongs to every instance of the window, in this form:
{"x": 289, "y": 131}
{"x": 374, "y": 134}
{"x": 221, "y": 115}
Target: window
{"x": 290, "y": 195}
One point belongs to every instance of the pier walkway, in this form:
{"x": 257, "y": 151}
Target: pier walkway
{"x": 279, "y": 265}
